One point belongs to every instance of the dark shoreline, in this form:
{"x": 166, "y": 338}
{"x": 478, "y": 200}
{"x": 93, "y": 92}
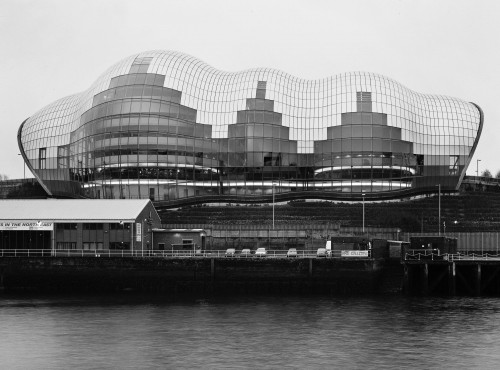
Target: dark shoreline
{"x": 200, "y": 276}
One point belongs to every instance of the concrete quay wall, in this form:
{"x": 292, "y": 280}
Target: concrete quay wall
{"x": 172, "y": 276}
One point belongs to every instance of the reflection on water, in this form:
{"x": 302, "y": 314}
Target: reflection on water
{"x": 254, "y": 332}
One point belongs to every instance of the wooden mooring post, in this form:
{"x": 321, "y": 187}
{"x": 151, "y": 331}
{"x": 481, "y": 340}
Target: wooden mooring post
{"x": 478, "y": 280}
{"x": 452, "y": 285}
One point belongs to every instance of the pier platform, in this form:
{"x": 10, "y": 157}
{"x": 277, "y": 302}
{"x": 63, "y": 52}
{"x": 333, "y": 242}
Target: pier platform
{"x": 476, "y": 274}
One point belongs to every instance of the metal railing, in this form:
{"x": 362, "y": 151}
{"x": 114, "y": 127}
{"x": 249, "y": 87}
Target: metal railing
{"x": 170, "y": 253}
{"x": 473, "y": 256}
{"x": 433, "y": 256}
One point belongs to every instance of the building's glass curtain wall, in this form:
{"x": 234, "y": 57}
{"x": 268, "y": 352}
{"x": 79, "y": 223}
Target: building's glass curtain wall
{"x": 166, "y": 126}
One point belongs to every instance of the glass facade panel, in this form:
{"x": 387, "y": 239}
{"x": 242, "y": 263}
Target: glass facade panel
{"x": 165, "y": 126}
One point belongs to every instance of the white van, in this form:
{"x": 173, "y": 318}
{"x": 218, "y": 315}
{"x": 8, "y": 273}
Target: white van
{"x": 328, "y": 248}
{"x": 260, "y": 252}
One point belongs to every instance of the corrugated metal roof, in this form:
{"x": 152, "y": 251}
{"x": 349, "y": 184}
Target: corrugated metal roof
{"x": 60, "y": 210}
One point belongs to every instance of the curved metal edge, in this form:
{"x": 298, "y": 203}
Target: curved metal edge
{"x": 302, "y": 196}
{"x": 474, "y": 146}
{"x": 26, "y": 160}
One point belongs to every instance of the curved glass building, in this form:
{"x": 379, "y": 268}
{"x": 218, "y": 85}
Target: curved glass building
{"x": 167, "y": 126}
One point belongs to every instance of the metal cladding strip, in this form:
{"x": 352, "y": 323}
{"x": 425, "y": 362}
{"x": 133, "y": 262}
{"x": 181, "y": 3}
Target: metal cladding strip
{"x": 474, "y": 146}
{"x": 27, "y": 161}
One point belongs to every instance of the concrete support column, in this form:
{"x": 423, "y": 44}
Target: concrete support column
{"x": 452, "y": 287}
{"x": 310, "y": 267}
{"x": 425, "y": 279}
{"x": 212, "y": 268}
{"x": 406, "y": 280}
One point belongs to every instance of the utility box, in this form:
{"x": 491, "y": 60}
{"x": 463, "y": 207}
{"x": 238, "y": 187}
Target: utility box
{"x": 444, "y": 244}
{"x": 380, "y": 248}
{"x": 397, "y": 248}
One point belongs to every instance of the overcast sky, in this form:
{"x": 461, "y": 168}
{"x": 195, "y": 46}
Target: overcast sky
{"x": 51, "y": 49}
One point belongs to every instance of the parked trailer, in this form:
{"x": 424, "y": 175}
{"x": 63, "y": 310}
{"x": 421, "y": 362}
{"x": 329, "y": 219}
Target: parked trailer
{"x": 354, "y": 246}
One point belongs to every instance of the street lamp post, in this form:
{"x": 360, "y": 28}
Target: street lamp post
{"x": 363, "y": 195}
{"x": 477, "y": 167}
{"x": 273, "y": 204}
{"x": 439, "y": 210}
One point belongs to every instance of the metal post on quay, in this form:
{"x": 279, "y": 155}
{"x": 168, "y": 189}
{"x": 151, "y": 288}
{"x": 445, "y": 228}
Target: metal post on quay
{"x": 273, "y": 203}
{"x": 363, "y": 195}
{"x": 439, "y": 209}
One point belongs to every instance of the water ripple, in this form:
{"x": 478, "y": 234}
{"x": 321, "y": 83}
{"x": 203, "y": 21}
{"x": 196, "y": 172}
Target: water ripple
{"x": 256, "y": 332}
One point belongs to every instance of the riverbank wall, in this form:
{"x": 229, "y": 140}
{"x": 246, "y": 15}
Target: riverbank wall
{"x": 176, "y": 276}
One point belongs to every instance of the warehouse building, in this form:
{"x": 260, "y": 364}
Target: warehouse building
{"x": 78, "y": 224}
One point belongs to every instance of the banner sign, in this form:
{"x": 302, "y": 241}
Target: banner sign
{"x": 26, "y": 225}
{"x": 354, "y": 253}
{"x": 138, "y": 231}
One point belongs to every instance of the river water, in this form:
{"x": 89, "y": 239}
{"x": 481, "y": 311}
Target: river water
{"x": 264, "y": 332}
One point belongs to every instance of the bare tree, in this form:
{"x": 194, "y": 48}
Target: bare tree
{"x": 486, "y": 173}
{"x": 498, "y": 175}
{"x": 3, "y": 177}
